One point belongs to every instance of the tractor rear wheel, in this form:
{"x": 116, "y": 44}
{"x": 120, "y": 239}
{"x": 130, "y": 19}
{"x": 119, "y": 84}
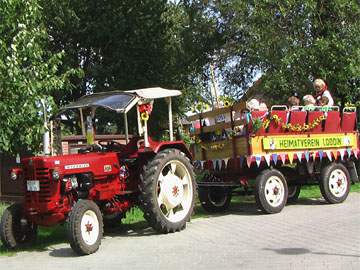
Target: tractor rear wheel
{"x": 215, "y": 199}
{"x": 168, "y": 191}
{"x": 85, "y": 227}
{"x": 271, "y": 191}
{"x": 15, "y": 230}
{"x": 335, "y": 183}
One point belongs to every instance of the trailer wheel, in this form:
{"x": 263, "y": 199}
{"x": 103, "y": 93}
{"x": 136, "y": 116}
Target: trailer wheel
{"x": 271, "y": 191}
{"x": 335, "y": 183}
{"x": 16, "y": 231}
{"x": 167, "y": 191}
{"x": 85, "y": 227}
{"x": 215, "y": 199}
{"x": 291, "y": 177}
{"x": 293, "y": 193}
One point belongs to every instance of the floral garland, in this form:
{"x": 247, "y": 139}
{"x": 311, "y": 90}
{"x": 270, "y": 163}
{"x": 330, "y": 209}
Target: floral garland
{"x": 296, "y": 127}
{"x": 349, "y": 104}
{"x": 145, "y": 111}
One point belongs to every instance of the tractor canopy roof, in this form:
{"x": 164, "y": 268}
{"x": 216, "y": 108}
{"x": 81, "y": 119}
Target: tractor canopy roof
{"x": 119, "y": 101}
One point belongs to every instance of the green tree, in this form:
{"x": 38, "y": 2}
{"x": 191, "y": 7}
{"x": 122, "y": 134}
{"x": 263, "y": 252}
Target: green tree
{"x": 29, "y": 73}
{"x": 290, "y": 43}
{"x": 131, "y": 44}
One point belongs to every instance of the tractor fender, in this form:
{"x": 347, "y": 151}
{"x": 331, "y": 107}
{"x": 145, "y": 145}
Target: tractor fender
{"x": 175, "y": 144}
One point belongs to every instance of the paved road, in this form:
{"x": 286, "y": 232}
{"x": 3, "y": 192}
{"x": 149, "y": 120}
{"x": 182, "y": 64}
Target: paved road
{"x": 309, "y": 235}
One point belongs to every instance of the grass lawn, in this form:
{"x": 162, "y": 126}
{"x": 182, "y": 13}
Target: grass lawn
{"x": 135, "y": 220}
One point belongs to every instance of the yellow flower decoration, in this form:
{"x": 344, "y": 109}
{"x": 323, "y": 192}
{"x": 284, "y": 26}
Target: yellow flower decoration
{"x": 227, "y": 101}
{"x": 144, "y": 116}
{"x": 296, "y": 127}
{"x": 200, "y": 107}
{"x": 227, "y": 104}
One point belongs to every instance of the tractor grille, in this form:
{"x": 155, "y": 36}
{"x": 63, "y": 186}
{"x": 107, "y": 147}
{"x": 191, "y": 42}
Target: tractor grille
{"x": 43, "y": 175}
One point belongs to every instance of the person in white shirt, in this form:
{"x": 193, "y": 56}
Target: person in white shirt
{"x": 309, "y": 103}
{"x": 322, "y": 93}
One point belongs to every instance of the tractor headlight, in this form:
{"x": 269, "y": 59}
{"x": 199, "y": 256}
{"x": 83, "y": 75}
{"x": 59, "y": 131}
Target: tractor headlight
{"x": 55, "y": 175}
{"x": 13, "y": 175}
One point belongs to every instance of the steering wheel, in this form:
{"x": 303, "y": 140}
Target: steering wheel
{"x": 111, "y": 145}
{"x": 140, "y": 143}
{"x": 92, "y": 148}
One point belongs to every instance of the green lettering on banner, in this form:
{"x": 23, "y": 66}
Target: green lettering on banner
{"x": 330, "y": 141}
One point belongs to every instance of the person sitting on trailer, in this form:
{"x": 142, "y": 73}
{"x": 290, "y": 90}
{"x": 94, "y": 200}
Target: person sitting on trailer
{"x": 263, "y": 107}
{"x": 294, "y": 100}
{"x": 324, "y": 101}
{"x": 309, "y": 103}
{"x": 321, "y": 90}
{"x": 253, "y": 105}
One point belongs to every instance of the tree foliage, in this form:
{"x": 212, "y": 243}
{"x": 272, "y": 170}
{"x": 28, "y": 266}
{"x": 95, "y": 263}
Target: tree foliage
{"x": 28, "y": 73}
{"x": 132, "y": 44}
{"x": 290, "y": 43}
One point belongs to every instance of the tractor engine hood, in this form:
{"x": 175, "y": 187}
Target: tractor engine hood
{"x": 99, "y": 164}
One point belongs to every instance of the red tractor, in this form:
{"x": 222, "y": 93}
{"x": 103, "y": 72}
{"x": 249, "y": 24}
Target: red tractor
{"x": 105, "y": 179}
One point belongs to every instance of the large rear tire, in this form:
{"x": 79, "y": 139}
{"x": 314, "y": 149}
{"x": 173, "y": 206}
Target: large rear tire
{"x": 215, "y": 199}
{"x": 271, "y": 191}
{"x": 85, "y": 227}
{"x": 168, "y": 191}
{"x": 335, "y": 183}
{"x": 15, "y": 230}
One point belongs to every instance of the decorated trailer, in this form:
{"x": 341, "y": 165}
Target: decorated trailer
{"x": 273, "y": 153}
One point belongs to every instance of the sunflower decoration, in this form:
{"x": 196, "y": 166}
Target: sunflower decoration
{"x": 200, "y": 107}
{"x": 227, "y": 101}
{"x": 145, "y": 110}
{"x": 297, "y": 127}
{"x": 144, "y": 116}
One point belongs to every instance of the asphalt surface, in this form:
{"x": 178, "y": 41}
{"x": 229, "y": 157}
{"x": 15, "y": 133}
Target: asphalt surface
{"x": 308, "y": 235}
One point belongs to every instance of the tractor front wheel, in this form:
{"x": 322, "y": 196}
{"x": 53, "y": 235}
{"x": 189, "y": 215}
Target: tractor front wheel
{"x": 16, "y": 230}
{"x": 85, "y": 227}
{"x": 168, "y": 191}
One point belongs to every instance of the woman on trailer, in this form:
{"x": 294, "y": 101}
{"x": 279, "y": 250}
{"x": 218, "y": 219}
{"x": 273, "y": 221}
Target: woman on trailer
{"x": 322, "y": 93}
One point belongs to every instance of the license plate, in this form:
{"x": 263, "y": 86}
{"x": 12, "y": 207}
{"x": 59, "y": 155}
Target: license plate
{"x": 33, "y": 185}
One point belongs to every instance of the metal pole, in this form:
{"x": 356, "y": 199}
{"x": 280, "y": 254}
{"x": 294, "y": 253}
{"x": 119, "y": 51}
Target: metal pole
{"x": 170, "y": 120}
{"x": 126, "y": 128}
{"x": 146, "y": 137}
{"x": 82, "y": 122}
{"x": 141, "y": 131}
{"x": 51, "y": 138}
{"x": 46, "y": 136}
{"x": 214, "y": 89}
